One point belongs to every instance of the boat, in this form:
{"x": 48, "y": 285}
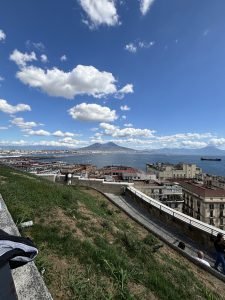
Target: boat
{"x": 211, "y": 159}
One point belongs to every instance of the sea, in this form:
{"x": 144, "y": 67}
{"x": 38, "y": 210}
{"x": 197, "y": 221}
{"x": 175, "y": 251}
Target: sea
{"x": 139, "y": 161}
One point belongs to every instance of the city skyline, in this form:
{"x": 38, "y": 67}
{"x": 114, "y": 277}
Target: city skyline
{"x": 146, "y": 74}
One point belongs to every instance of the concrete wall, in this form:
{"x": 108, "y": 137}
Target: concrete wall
{"x": 116, "y": 188}
{"x": 28, "y": 281}
{"x": 192, "y": 230}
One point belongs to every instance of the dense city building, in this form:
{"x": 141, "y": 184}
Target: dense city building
{"x": 204, "y": 203}
{"x": 178, "y": 171}
{"x": 168, "y": 193}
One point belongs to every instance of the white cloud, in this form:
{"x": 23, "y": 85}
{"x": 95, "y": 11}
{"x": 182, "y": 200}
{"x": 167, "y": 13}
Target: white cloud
{"x": 146, "y": 45}
{"x": 217, "y": 141}
{"x": 128, "y": 88}
{"x": 37, "y": 45}
{"x": 63, "y": 58}
{"x": 2, "y": 78}
{"x": 19, "y": 122}
{"x": 194, "y": 144}
{"x": 44, "y": 58}
{"x": 184, "y": 136}
{"x": 94, "y": 129}
{"x": 3, "y": 128}
{"x": 38, "y": 132}
{"x": 124, "y": 117}
{"x": 124, "y": 107}
{"x": 115, "y": 131}
{"x": 81, "y": 80}
{"x": 100, "y": 12}
{"x": 131, "y": 48}
{"x": 145, "y": 6}
{"x": 128, "y": 125}
{"x": 2, "y": 35}
{"x": 10, "y": 109}
{"x": 92, "y": 112}
{"x": 59, "y": 133}
{"x": 21, "y": 59}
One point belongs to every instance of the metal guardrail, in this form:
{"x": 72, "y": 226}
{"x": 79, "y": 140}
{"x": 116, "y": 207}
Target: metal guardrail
{"x": 176, "y": 214}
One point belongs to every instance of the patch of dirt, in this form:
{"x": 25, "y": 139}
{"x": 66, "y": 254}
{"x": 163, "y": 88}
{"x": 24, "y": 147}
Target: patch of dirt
{"x": 60, "y": 216}
{"x": 140, "y": 291}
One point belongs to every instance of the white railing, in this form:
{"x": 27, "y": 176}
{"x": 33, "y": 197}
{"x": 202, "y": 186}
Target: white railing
{"x": 176, "y": 214}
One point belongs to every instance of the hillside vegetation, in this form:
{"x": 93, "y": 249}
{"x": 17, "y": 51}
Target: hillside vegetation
{"x": 89, "y": 249}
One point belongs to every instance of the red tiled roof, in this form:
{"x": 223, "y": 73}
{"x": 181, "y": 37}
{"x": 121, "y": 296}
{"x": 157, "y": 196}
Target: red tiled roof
{"x": 203, "y": 191}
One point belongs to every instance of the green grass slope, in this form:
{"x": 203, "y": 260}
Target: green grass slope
{"x": 88, "y": 249}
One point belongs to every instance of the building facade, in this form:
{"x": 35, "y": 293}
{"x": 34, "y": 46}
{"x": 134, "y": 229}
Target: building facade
{"x": 170, "y": 171}
{"x": 204, "y": 203}
{"x": 168, "y": 193}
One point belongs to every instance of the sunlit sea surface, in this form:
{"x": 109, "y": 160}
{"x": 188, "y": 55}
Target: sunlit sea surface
{"x": 139, "y": 161}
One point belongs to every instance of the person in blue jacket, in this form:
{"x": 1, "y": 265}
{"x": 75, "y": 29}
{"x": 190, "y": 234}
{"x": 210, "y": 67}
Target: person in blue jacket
{"x": 219, "y": 244}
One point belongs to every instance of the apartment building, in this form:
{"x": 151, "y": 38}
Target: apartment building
{"x": 204, "y": 203}
{"x": 170, "y": 171}
{"x": 167, "y": 193}
{"x": 215, "y": 181}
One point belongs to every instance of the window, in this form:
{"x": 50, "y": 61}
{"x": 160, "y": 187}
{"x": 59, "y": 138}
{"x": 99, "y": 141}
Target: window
{"x": 211, "y": 213}
{"x": 211, "y": 206}
{"x": 221, "y": 221}
{"x": 211, "y": 222}
{"x": 221, "y": 213}
{"x": 221, "y": 206}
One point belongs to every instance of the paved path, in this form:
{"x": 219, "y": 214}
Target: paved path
{"x": 166, "y": 232}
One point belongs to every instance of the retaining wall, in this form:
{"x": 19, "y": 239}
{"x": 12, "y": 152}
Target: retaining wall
{"x": 198, "y": 231}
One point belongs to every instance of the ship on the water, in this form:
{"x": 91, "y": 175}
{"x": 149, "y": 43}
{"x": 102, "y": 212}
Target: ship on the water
{"x": 211, "y": 159}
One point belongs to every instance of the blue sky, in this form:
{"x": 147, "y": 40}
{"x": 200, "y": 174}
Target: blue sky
{"x": 141, "y": 73}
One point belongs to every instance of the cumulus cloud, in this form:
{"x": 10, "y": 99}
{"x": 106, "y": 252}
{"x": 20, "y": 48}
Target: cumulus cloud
{"x": 127, "y": 89}
{"x": 184, "y": 136}
{"x": 21, "y": 59}
{"x": 194, "y": 144}
{"x": 38, "y": 132}
{"x": 44, "y": 58}
{"x": 100, "y": 12}
{"x": 124, "y": 107}
{"x": 128, "y": 125}
{"x": 61, "y": 143}
{"x": 135, "y": 46}
{"x": 217, "y": 141}
{"x": 59, "y": 133}
{"x": 37, "y": 45}
{"x": 92, "y": 112}
{"x": 63, "y": 58}
{"x": 115, "y": 131}
{"x": 2, "y": 35}
{"x": 145, "y": 6}
{"x": 10, "y": 109}
{"x": 81, "y": 80}
{"x": 131, "y": 48}
{"x": 19, "y": 122}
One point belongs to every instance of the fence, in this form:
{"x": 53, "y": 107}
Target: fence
{"x": 176, "y": 214}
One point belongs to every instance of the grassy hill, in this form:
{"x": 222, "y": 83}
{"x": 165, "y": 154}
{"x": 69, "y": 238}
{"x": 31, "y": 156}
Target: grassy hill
{"x": 89, "y": 249}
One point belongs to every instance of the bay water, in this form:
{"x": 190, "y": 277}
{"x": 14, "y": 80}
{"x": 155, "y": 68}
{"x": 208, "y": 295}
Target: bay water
{"x": 139, "y": 161}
